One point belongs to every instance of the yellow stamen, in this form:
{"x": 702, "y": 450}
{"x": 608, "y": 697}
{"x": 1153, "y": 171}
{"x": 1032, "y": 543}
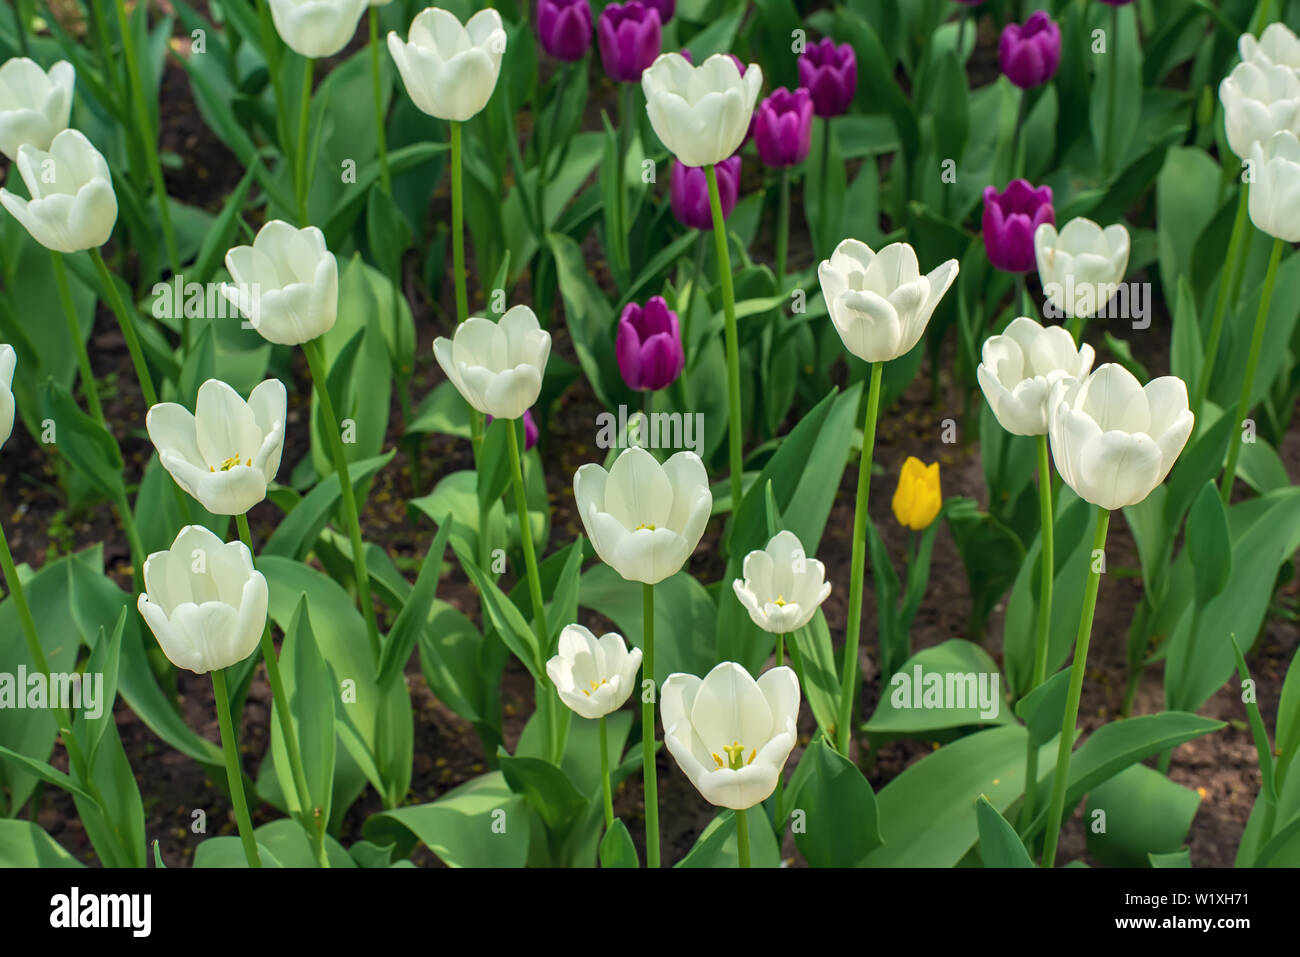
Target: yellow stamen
{"x": 780, "y": 602}
{"x": 648, "y": 527}
{"x": 229, "y": 464}
{"x": 718, "y": 759}
{"x": 752, "y": 755}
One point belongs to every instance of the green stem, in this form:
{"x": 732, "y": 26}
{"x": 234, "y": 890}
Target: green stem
{"x": 1252, "y": 362}
{"x": 1047, "y": 559}
{"x": 742, "y": 837}
{"x": 315, "y": 828}
{"x": 649, "y": 773}
{"x": 271, "y": 50}
{"x": 148, "y": 136}
{"x": 300, "y": 180}
{"x": 1232, "y": 263}
{"x": 127, "y": 325}
{"x": 849, "y": 686}
{"x": 234, "y": 775}
{"x": 133, "y": 541}
{"x": 458, "y": 260}
{"x": 734, "y": 427}
{"x": 316, "y": 363}
{"x": 782, "y": 228}
{"x": 780, "y": 650}
{"x": 88, "y": 385}
{"x": 606, "y": 790}
{"x": 381, "y": 137}
{"x": 1061, "y": 775}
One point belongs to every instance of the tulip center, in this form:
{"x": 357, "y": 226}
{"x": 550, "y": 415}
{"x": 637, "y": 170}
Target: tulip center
{"x": 735, "y": 753}
{"x": 780, "y": 602}
{"x": 595, "y": 685}
{"x": 650, "y": 528}
{"x": 229, "y": 464}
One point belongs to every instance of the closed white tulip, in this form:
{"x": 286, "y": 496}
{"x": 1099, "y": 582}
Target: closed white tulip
{"x": 1259, "y": 98}
{"x": 782, "y": 587}
{"x": 1275, "y": 193}
{"x": 72, "y": 206}
{"x": 204, "y": 601}
{"x": 1081, "y": 266}
{"x": 644, "y": 519}
{"x": 286, "y": 283}
{"x": 879, "y": 301}
{"x": 1113, "y": 440}
{"x": 316, "y": 28}
{"x": 8, "y": 359}
{"x": 594, "y": 676}
{"x": 228, "y": 450}
{"x": 34, "y": 104}
{"x": 701, "y": 113}
{"x": 497, "y": 366}
{"x": 731, "y": 735}
{"x": 450, "y": 70}
{"x": 1018, "y": 369}
{"x": 1277, "y": 44}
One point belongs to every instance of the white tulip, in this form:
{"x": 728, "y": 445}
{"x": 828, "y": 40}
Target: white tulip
{"x": 316, "y": 28}
{"x": 1018, "y": 369}
{"x": 286, "y": 283}
{"x": 1113, "y": 441}
{"x": 594, "y": 676}
{"x": 8, "y": 359}
{"x": 782, "y": 588}
{"x": 880, "y": 303}
{"x": 204, "y": 601}
{"x": 731, "y": 735}
{"x": 34, "y": 105}
{"x": 1259, "y": 98}
{"x": 72, "y": 206}
{"x": 450, "y": 70}
{"x": 644, "y": 519}
{"x": 1277, "y": 44}
{"x": 1081, "y": 266}
{"x": 228, "y": 450}
{"x": 701, "y": 113}
{"x": 497, "y": 366}
{"x": 1275, "y": 193}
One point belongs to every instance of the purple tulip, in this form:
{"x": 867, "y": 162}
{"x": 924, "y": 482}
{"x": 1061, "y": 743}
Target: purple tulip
{"x": 564, "y": 28}
{"x": 689, "y": 189}
{"x": 831, "y": 75}
{"x": 530, "y": 429}
{"x": 1010, "y": 218}
{"x": 629, "y": 37}
{"x": 783, "y": 127}
{"x": 649, "y": 345}
{"x": 1031, "y": 53}
{"x": 665, "y": 8}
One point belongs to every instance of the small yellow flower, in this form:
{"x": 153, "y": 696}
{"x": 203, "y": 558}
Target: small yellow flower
{"x": 917, "y": 498}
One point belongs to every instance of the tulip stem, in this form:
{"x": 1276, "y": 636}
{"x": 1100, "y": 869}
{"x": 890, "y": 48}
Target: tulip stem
{"x": 1252, "y": 362}
{"x": 1047, "y": 562}
{"x": 316, "y": 363}
{"x": 742, "y": 837}
{"x": 458, "y": 261}
{"x": 314, "y": 827}
{"x": 648, "y": 771}
{"x": 1233, "y": 263}
{"x": 234, "y": 776}
{"x": 782, "y": 228}
{"x": 1061, "y": 775}
{"x": 88, "y": 385}
{"x": 849, "y": 688}
{"x": 148, "y": 135}
{"x": 606, "y": 789}
{"x": 381, "y": 138}
{"x": 300, "y": 178}
{"x": 780, "y": 650}
{"x": 127, "y": 325}
{"x": 734, "y": 428}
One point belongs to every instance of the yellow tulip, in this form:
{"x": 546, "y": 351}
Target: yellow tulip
{"x": 917, "y": 498}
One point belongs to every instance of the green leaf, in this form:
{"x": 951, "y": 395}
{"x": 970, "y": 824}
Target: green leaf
{"x": 104, "y": 660}
{"x": 1143, "y": 812}
{"x": 915, "y": 703}
{"x": 840, "y": 827}
{"x": 1043, "y": 709}
{"x": 716, "y": 845}
{"x": 414, "y": 616}
{"x": 228, "y": 852}
{"x": 24, "y": 844}
{"x": 311, "y": 702}
{"x": 298, "y": 531}
{"x": 991, "y": 553}
{"x": 616, "y": 847}
{"x": 1000, "y": 845}
{"x": 506, "y": 618}
{"x": 813, "y": 658}
{"x": 81, "y": 440}
{"x": 1208, "y": 545}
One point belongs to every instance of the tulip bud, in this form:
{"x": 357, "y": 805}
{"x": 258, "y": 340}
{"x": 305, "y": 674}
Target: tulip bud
{"x": 8, "y": 359}
{"x": 1019, "y": 367}
{"x": 1275, "y": 194}
{"x": 783, "y": 127}
{"x": 450, "y": 70}
{"x": 286, "y": 284}
{"x": 34, "y": 105}
{"x": 782, "y": 588}
{"x": 497, "y": 366}
{"x": 649, "y": 345}
{"x": 688, "y": 189}
{"x": 316, "y": 28}
{"x": 1082, "y": 265}
{"x": 700, "y": 113}
{"x": 830, "y": 74}
{"x": 1259, "y": 98}
{"x": 1030, "y": 54}
{"x": 1277, "y": 44}
{"x": 593, "y": 676}
{"x": 75, "y": 208}
{"x": 629, "y": 35}
{"x": 665, "y": 8}
{"x": 564, "y": 28}
{"x": 204, "y": 601}
{"x": 917, "y": 499}
{"x": 1010, "y": 219}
